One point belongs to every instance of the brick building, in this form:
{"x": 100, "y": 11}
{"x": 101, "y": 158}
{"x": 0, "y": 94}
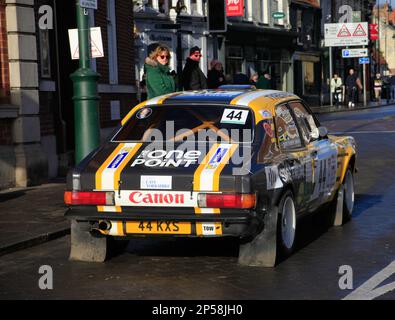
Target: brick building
{"x": 36, "y": 107}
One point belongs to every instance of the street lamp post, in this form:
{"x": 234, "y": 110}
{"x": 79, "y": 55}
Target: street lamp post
{"x": 86, "y": 99}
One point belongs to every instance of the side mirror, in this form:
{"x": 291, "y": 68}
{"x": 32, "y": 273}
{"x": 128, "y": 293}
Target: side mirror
{"x": 323, "y": 131}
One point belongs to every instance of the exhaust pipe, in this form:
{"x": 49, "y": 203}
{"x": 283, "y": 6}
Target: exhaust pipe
{"x": 105, "y": 225}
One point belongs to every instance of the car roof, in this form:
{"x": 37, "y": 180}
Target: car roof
{"x": 262, "y": 102}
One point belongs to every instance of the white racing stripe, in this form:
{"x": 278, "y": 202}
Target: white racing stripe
{"x": 244, "y": 101}
{"x": 109, "y": 172}
{"x": 157, "y": 100}
{"x": 207, "y": 177}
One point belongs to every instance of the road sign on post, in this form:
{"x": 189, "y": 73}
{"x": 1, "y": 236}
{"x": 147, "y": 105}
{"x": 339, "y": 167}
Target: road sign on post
{"x": 88, "y": 4}
{"x": 364, "y": 60}
{"x": 86, "y": 99}
{"x": 96, "y": 43}
{"x": 354, "y": 53}
{"x": 346, "y": 34}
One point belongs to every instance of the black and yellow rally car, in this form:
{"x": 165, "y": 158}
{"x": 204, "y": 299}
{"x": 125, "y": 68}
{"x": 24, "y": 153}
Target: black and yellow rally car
{"x": 234, "y": 162}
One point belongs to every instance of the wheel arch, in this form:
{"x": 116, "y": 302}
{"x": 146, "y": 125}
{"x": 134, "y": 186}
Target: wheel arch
{"x": 350, "y": 163}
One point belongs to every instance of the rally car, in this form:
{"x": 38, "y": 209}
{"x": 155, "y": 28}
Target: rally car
{"x": 235, "y": 161}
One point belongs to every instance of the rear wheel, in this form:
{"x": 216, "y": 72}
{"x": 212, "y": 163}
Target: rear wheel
{"x": 287, "y": 224}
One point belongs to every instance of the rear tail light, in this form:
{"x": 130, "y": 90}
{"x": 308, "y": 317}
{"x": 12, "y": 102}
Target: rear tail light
{"x": 96, "y": 198}
{"x": 237, "y": 201}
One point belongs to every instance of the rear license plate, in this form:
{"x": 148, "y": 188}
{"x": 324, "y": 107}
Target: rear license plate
{"x": 158, "y": 227}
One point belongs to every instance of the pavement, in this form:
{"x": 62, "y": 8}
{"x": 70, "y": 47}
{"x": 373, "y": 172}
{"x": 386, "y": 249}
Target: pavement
{"x": 345, "y": 108}
{"x": 31, "y": 216}
{"x": 44, "y": 220}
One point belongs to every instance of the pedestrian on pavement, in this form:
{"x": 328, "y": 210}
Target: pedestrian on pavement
{"x": 159, "y": 80}
{"x": 215, "y": 77}
{"x": 337, "y": 89}
{"x": 254, "y": 79}
{"x": 240, "y": 78}
{"x": 378, "y": 87}
{"x": 192, "y": 76}
{"x": 143, "y": 88}
{"x": 264, "y": 81}
{"x": 392, "y": 86}
{"x": 352, "y": 84}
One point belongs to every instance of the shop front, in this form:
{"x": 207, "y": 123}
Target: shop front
{"x": 251, "y": 49}
{"x": 307, "y": 76}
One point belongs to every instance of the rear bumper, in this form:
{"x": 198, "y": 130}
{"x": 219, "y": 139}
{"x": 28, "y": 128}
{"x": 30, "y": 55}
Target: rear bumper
{"x": 241, "y": 224}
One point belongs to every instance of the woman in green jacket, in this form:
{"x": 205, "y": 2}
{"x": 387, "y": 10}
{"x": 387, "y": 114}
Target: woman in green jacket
{"x": 159, "y": 79}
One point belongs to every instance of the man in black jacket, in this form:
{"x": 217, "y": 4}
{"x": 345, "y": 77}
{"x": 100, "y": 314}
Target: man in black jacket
{"x": 192, "y": 77}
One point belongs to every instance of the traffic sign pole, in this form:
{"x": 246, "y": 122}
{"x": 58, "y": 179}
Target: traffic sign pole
{"x": 86, "y": 99}
{"x": 364, "y": 85}
{"x": 330, "y": 75}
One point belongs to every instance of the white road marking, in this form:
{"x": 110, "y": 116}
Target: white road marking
{"x": 369, "y": 290}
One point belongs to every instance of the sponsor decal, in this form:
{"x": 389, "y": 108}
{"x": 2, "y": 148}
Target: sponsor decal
{"x": 234, "y": 116}
{"x": 216, "y": 159}
{"x": 163, "y": 158}
{"x": 156, "y": 182}
{"x": 118, "y": 160}
{"x": 268, "y": 129}
{"x": 266, "y": 114}
{"x": 138, "y": 197}
{"x": 157, "y": 198}
{"x": 273, "y": 180}
{"x": 144, "y": 113}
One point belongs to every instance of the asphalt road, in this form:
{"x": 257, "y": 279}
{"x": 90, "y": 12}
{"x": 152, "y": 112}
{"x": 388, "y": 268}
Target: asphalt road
{"x": 208, "y": 269}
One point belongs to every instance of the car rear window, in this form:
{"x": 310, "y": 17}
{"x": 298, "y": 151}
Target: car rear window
{"x": 188, "y": 123}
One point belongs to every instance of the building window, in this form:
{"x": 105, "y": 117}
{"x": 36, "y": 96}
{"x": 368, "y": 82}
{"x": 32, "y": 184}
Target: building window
{"x": 299, "y": 26}
{"x": 45, "y": 61}
{"x": 164, "y": 6}
{"x": 235, "y": 60}
{"x": 265, "y": 11}
{"x": 112, "y": 42}
{"x": 308, "y": 77}
{"x": 257, "y": 11}
{"x": 194, "y": 7}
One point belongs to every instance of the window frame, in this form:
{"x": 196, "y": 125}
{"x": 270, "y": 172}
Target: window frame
{"x": 308, "y": 125}
{"x": 302, "y": 144}
{"x": 160, "y": 106}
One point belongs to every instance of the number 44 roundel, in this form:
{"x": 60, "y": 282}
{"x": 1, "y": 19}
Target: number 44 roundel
{"x": 234, "y": 116}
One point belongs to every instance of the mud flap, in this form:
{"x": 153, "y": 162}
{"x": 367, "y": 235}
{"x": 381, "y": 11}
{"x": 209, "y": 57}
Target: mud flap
{"x": 86, "y": 247}
{"x": 262, "y": 250}
{"x": 339, "y": 208}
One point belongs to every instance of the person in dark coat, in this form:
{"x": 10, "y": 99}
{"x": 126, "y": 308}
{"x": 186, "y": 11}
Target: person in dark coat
{"x": 216, "y": 77}
{"x": 264, "y": 82}
{"x": 352, "y": 84}
{"x": 159, "y": 80}
{"x": 192, "y": 76}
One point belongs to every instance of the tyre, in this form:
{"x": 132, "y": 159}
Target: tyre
{"x": 277, "y": 237}
{"x": 286, "y": 224}
{"x": 89, "y": 247}
{"x": 344, "y": 202}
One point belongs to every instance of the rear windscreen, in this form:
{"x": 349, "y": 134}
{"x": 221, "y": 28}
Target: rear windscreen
{"x": 188, "y": 123}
